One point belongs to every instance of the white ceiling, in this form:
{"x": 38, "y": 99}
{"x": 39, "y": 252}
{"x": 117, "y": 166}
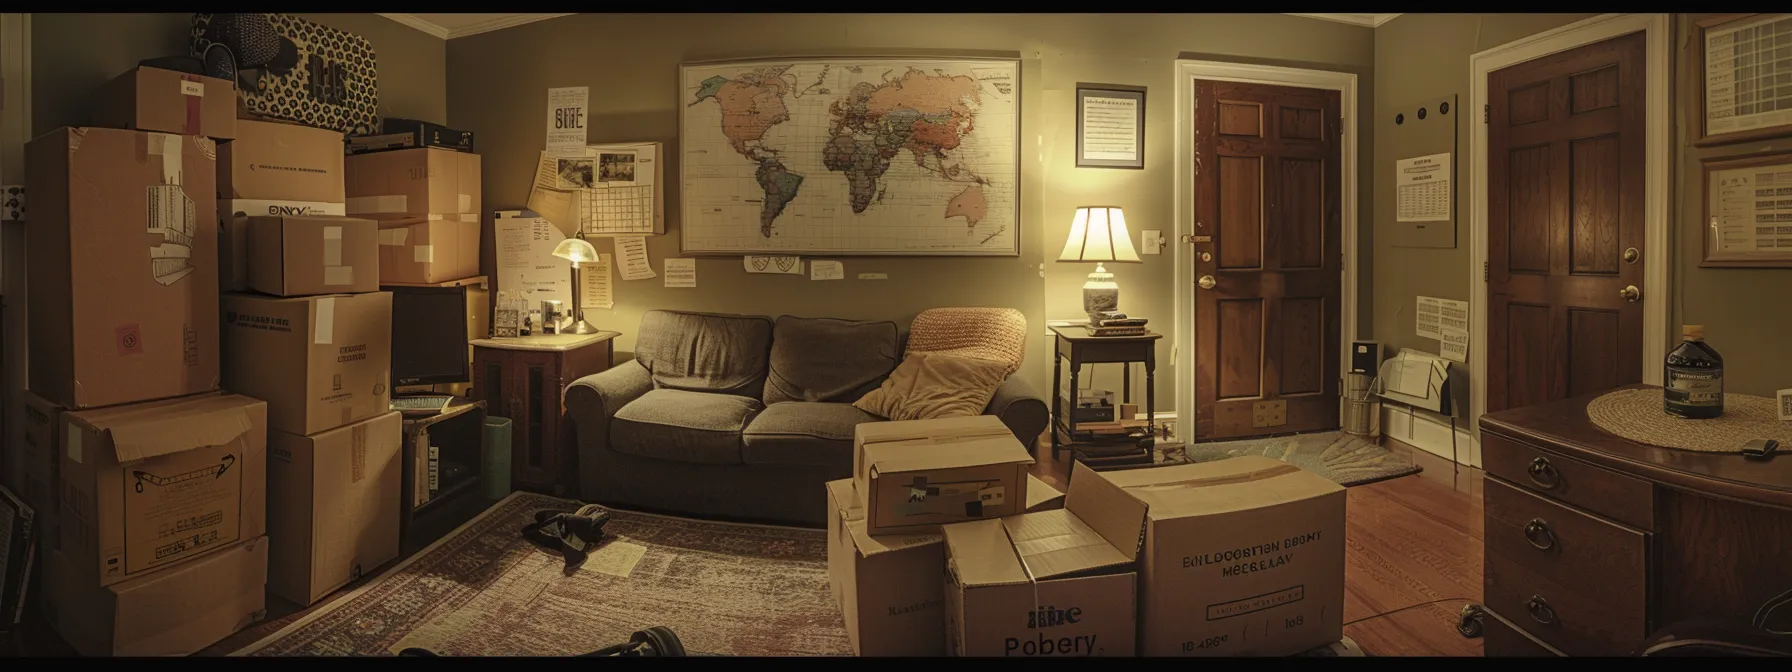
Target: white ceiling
{"x": 1370, "y": 20}
{"x": 450, "y": 26}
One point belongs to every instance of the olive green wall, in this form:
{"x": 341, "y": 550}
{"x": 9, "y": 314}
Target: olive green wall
{"x": 73, "y": 54}
{"x": 499, "y": 86}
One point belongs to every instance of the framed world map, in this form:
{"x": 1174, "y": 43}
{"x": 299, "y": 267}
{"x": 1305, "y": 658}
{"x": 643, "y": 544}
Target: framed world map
{"x": 850, "y": 156}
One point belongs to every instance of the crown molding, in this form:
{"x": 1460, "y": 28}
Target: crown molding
{"x": 500, "y": 23}
{"x": 1364, "y": 20}
{"x": 414, "y": 22}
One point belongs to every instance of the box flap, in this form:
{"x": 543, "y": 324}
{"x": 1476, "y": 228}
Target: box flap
{"x": 1057, "y": 543}
{"x": 143, "y": 431}
{"x": 1106, "y": 508}
{"x": 944, "y": 429}
{"x": 869, "y": 545}
{"x": 1221, "y": 486}
{"x": 982, "y": 553}
{"x": 887, "y": 458}
{"x": 1039, "y": 493}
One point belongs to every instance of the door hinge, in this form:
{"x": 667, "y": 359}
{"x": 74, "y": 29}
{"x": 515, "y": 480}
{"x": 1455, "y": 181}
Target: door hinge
{"x": 1486, "y": 114}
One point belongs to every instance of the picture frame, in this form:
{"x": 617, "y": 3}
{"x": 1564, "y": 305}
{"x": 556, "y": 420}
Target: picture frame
{"x": 1732, "y": 128}
{"x": 1111, "y": 126}
{"x": 1730, "y": 190}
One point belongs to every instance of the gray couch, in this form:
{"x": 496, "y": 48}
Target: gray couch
{"x": 737, "y": 417}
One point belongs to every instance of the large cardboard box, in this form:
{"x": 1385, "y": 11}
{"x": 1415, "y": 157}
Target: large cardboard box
{"x": 1052, "y": 583}
{"x": 890, "y": 589}
{"x": 915, "y": 475}
{"x": 1042, "y": 497}
{"x": 166, "y": 101}
{"x": 145, "y": 486}
{"x": 233, "y": 233}
{"x": 123, "y": 246}
{"x": 320, "y": 362}
{"x": 38, "y": 452}
{"x": 332, "y": 506}
{"x": 413, "y": 182}
{"x": 299, "y": 256}
{"x": 281, "y": 162}
{"x": 176, "y": 611}
{"x": 434, "y": 249}
{"x": 1242, "y": 544}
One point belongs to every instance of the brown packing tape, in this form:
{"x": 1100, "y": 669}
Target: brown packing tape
{"x": 358, "y": 453}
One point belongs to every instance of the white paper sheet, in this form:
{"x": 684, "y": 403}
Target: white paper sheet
{"x": 1412, "y": 376}
{"x": 1428, "y": 320}
{"x": 546, "y": 200}
{"x": 1745, "y": 66}
{"x": 598, "y": 292}
{"x": 527, "y": 267}
{"x": 790, "y": 265}
{"x": 1110, "y": 128}
{"x": 826, "y": 270}
{"x": 631, "y": 252}
{"x": 1422, "y": 191}
{"x": 681, "y": 272}
{"x": 624, "y": 196}
{"x": 566, "y": 120}
{"x": 1452, "y": 315}
{"x": 1454, "y": 345}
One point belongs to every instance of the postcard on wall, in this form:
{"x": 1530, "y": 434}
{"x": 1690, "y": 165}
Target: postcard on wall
{"x": 827, "y": 270}
{"x": 681, "y": 272}
{"x": 597, "y": 291}
{"x": 1422, "y": 189}
{"x": 631, "y": 252}
{"x": 784, "y": 264}
{"x": 1428, "y": 320}
{"x": 566, "y": 120}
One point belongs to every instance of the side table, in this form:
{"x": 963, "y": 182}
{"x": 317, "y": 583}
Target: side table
{"x": 525, "y": 379}
{"x": 1074, "y": 344}
{"x": 458, "y": 433}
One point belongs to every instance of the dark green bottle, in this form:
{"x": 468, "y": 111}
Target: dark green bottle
{"x": 1694, "y": 377}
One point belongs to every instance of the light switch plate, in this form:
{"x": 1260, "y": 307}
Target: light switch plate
{"x": 1269, "y": 413}
{"x": 873, "y": 276}
{"x": 1153, "y": 242}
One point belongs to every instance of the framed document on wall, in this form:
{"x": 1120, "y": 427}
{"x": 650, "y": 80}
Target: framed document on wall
{"x": 1748, "y": 212}
{"x": 1743, "y": 78}
{"x": 1110, "y": 126}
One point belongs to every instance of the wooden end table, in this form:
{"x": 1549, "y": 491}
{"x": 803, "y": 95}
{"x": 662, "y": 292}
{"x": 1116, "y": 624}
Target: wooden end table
{"x": 1073, "y": 343}
{"x": 525, "y": 379}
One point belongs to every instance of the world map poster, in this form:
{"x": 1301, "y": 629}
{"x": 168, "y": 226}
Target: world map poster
{"x": 909, "y": 156}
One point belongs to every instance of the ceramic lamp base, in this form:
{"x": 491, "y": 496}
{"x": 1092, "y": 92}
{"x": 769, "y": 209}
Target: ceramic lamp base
{"x": 1100, "y": 294}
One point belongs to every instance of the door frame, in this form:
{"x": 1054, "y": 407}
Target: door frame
{"x": 1183, "y": 338}
{"x": 1657, "y": 189}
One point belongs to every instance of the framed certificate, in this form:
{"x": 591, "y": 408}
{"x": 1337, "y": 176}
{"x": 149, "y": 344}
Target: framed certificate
{"x": 1743, "y": 78}
{"x": 1748, "y": 212}
{"x": 1110, "y": 126}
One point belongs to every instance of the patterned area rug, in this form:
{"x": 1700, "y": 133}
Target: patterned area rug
{"x": 1347, "y": 459}
{"x": 725, "y": 588}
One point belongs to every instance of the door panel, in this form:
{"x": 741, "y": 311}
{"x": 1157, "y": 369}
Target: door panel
{"x": 1565, "y": 202}
{"x": 1267, "y": 203}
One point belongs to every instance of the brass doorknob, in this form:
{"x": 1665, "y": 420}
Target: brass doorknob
{"x": 1207, "y": 282}
{"x": 1630, "y": 293}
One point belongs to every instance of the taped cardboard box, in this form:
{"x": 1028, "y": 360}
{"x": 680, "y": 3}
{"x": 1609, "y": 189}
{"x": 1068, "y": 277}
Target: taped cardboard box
{"x": 123, "y": 246}
{"x": 1243, "y": 544}
{"x": 301, "y": 256}
{"x": 915, "y": 475}
{"x": 38, "y": 457}
{"x": 233, "y": 233}
{"x": 889, "y": 588}
{"x": 411, "y": 183}
{"x": 436, "y": 248}
{"x": 320, "y": 362}
{"x": 1052, "y": 583}
{"x": 333, "y": 502}
{"x": 281, "y": 162}
{"x": 176, "y": 611}
{"x": 166, "y": 101}
{"x": 149, "y": 485}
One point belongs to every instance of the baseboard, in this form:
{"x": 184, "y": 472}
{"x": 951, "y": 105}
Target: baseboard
{"x": 1431, "y": 434}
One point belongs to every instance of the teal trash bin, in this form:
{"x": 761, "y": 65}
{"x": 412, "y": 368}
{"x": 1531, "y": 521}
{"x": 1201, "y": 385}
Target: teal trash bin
{"x": 494, "y": 472}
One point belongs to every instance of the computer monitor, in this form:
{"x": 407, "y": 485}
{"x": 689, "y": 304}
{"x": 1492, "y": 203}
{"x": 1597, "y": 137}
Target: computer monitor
{"x": 429, "y": 335}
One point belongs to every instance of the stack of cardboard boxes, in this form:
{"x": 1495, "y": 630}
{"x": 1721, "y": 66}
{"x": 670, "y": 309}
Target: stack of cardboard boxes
{"x": 1237, "y": 557}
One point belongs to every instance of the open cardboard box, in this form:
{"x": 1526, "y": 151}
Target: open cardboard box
{"x": 914, "y": 475}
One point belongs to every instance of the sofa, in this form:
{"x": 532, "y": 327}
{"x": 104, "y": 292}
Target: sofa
{"x": 740, "y": 417}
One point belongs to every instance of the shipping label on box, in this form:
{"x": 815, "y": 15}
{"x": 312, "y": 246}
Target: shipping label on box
{"x": 889, "y": 588}
{"x": 914, "y": 476}
{"x": 281, "y": 162}
{"x": 320, "y": 362}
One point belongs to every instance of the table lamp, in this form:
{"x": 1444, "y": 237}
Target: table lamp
{"x": 576, "y": 250}
{"x": 1099, "y": 234}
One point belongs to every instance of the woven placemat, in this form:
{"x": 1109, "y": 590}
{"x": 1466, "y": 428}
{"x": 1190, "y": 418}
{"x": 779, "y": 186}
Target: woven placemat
{"x": 1637, "y": 415}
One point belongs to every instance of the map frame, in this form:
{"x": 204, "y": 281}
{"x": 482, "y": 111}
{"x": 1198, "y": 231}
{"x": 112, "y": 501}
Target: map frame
{"x": 684, "y": 206}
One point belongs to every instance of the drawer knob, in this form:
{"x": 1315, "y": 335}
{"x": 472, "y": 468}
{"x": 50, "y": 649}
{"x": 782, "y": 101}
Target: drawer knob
{"x": 1538, "y": 533}
{"x": 1540, "y": 610}
{"x": 1544, "y": 474}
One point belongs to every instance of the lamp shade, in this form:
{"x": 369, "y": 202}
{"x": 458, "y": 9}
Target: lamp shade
{"x": 577, "y": 251}
{"x": 1099, "y": 234}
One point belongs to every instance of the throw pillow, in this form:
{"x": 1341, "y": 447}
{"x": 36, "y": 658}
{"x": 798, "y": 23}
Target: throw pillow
{"x": 928, "y": 385}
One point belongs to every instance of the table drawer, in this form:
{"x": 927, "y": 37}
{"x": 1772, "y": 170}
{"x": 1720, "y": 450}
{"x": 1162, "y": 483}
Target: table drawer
{"x": 1574, "y": 621}
{"x": 1500, "y": 640}
{"x": 1567, "y": 546}
{"x": 1607, "y": 493}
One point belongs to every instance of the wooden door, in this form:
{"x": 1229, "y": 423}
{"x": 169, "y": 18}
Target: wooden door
{"x": 1565, "y": 224}
{"x": 1266, "y": 200}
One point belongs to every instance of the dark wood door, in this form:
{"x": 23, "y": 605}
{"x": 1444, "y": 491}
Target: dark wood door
{"x": 1565, "y": 224}
{"x": 1266, "y": 199}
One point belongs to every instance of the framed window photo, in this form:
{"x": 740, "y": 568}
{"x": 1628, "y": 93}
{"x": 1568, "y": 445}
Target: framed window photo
{"x": 1742, "y": 78}
{"x": 1110, "y": 126}
{"x": 1748, "y": 212}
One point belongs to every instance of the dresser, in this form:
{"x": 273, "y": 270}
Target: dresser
{"x": 1593, "y": 543}
{"x": 524, "y": 379}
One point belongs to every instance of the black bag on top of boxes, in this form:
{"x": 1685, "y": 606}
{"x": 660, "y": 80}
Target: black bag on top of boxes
{"x": 411, "y": 133}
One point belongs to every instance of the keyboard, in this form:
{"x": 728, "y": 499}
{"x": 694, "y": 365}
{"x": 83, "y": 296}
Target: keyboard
{"x": 421, "y": 404}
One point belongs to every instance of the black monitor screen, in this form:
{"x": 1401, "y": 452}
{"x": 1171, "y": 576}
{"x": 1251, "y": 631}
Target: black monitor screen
{"x": 429, "y": 335}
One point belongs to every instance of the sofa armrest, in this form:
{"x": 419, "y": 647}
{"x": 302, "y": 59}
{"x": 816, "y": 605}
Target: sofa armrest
{"x": 594, "y": 399}
{"x": 1021, "y": 409}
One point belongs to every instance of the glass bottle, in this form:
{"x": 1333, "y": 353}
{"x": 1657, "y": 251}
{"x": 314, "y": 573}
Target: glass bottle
{"x": 1694, "y": 377}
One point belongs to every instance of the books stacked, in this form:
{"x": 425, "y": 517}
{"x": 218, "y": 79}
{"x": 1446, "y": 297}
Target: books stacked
{"x": 1112, "y": 323}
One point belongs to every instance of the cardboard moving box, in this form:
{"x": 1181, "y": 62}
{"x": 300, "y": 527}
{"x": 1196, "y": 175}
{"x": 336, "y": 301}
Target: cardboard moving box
{"x": 281, "y": 162}
{"x": 1247, "y": 543}
{"x": 123, "y": 246}
{"x": 412, "y": 183}
{"x": 233, "y": 233}
{"x": 915, "y": 475}
{"x": 176, "y": 611}
{"x": 1042, "y": 497}
{"x": 1053, "y": 583}
{"x": 436, "y": 249}
{"x": 149, "y": 485}
{"x": 321, "y": 362}
{"x": 299, "y": 256}
{"x": 165, "y": 101}
{"x": 890, "y": 588}
{"x": 38, "y": 453}
{"x": 332, "y": 506}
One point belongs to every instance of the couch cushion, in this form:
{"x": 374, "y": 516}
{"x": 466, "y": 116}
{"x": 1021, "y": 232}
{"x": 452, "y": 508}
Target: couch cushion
{"x": 683, "y": 426}
{"x": 705, "y": 352}
{"x": 798, "y": 433}
{"x": 825, "y": 359}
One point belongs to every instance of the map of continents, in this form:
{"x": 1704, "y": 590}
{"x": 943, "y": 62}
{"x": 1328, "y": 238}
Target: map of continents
{"x": 850, "y": 156}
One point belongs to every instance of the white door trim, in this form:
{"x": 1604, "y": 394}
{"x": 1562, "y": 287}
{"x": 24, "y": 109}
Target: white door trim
{"x": 1183, "y": 338}
{"x": 1656, "y": 187}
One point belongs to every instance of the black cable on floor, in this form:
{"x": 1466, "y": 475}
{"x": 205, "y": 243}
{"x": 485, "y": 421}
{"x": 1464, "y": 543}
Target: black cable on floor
{"x": 1410, "y": 606}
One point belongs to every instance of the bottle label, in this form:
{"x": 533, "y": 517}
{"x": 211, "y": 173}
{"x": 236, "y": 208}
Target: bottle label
{"x": 1695, "y": 387}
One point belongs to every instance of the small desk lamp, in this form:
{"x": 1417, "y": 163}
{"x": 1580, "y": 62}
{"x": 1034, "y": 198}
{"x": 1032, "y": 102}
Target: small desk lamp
{"x": 576, "y": 250}
{"x": 1099, "y": 234}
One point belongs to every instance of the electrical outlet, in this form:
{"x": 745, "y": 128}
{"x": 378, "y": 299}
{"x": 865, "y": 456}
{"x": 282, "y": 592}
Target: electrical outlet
{"x": 1269, "y": 413}
{"x": 1153, "y": 242}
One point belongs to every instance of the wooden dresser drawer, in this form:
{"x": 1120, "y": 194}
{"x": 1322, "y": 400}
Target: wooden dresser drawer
{"x": 1566, "y": 546}
{"x": 1574, "y": 620}
{"x": 1504, "y": 641}
{"x": 1607, "y": 493}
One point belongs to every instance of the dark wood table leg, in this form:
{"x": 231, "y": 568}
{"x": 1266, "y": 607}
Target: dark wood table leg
{"x": 1125, "y": 386}
{"x": 1057, "y": 400}
{"x": 1150, "y": 389}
